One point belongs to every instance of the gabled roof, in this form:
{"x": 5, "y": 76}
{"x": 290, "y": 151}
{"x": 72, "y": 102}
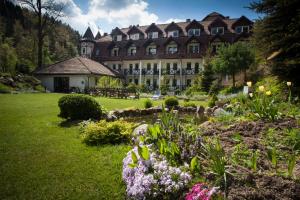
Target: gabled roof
{"x": 191, "y": 39}
{"x": 171, "y": 39}
{"x": 217, "y": 36}
{"x": 88, "y": 34}
{"x": 117, "y": 31}
{"x": 98, "y": 36}
{"x": 173, "y": 26}
{"x": 241, "y": 20}
{"x": 213, "y": 16}
{"x": 193, "y": 24}
{"x": 76, "y": 66}
{"x": 149, "y": 41}
{"x": 217, "y": 22}
{"x": 129, "y": 43}
{"x": 153, "y": 27}
{"x": 134, "y": 29}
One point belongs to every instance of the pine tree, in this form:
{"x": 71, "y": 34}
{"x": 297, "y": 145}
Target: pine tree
{"x": 208, "y": 73}
{"x": 277, "y": 36}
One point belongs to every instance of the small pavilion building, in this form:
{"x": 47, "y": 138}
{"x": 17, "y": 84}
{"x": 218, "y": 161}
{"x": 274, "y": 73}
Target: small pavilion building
{"x": 75, "y": 74}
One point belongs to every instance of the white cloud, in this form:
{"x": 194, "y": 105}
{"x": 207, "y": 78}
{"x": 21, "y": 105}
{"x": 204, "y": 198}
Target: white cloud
{"x": 120, "y": 13}
{"x": 172, "y": 20}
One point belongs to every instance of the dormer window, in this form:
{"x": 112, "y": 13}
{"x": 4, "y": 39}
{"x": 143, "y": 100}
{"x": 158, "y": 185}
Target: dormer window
{"x": 115, "y": 51}
{"x": 193, "y": 48}
{"x": 195, "y": 32}
{"x": 172, "y": 48}
{"x": 117, "y": 38}
{"x": 217, "y": 30}
{"x": 151, "y": 49}
{"x": 174, "y": 33}
{"x": 134, "y": 36}
{"x": 242, "y": 29}
{"x": 132, "y": 50}
{"x": 153, "y": 35}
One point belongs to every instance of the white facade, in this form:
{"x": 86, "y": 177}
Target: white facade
{"x": 75, "y": 81}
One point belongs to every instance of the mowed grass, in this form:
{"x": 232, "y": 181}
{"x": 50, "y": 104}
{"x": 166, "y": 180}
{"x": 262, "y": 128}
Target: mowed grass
{"x": 41, "y": 159}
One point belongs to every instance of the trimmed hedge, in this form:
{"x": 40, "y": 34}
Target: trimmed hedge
{"x": 171, "y": 102}
{"x": 79, "y": 107}
{"x": 103, "y": 132}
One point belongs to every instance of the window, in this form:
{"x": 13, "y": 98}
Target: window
{"x": 83, "y": 50}
{"x": 136, "y": 81}
{"x": 189, "y": 66}
{"x": 153, "y": 35}
{"x": 175, "y": 66}
{"x": 129, "y": 80}
{"x": 168, "y": 67}
{"x": 173, "y": 33}
{"x": 132, "y": 51}
{"x": 115, "y": 51}
{"x": 215, "y": 47}
{"x": 119, "y": 37}
{"x": 148, "y": 66}
{"x": 174, "y": 82}
{"x": 119, "y": 67}
{"x": 155, "y": 67}
{"x": 97, "y": 52}
{"x": 136, "y": 67}
{"x": 114, "y": 66}
{"x": 193, "y": 48}
{"x": 148, "y": 82}
{"x": 242, "y": 29}
{"x": 135, "y": 36}
{"x": 195, "y": 32}
{"x": 217, "y": 30}
{"x": 172, "y": 50}
{"x": 130, "y": 69}
{"x": 152, "y": 50}
{"x": 196, "y": 68}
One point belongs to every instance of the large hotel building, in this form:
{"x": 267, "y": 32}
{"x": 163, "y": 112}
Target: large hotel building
{"x": 169, "y": 54}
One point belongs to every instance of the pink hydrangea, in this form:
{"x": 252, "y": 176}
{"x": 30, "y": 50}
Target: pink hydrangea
{"x": 200, "y": 192}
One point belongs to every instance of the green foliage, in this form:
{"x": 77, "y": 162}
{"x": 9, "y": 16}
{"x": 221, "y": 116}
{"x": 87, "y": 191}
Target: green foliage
{"x": 8, "y": 57}
{"x": 39, "y": 88}
{"x": 5, "y": 88}
{"x": 207, "y": 77}
{"x": 271, "y": 35}
{"x": 164, "y": 89}
{"x": 108, "y": 82}
{"x": 148, "y": 103}
{"x": 189, "y": 104}
{"x": 215, "y": 87}
{"x": 233, "y": 58}
{"x": 212, "y": 101}
{"x": 272, "y": 154}
{"x": 133, "y": 87}
{"x": 79, "y": 107}
{"x": 291, "y": 164}
{"x": 102, "y": 132}
{"x": 171, "y": 102}
{"x": 264, "y": 106}
{"x": 231, "y": 90}
{"x": 273, "y": 84}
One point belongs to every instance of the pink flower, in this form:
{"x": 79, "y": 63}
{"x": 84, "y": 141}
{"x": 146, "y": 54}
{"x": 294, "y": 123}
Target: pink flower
{"x": 200, "y": 192}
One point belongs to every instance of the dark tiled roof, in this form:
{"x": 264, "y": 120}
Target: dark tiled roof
{"x": 88, "y": 34}
{"x": 76, "y": 65}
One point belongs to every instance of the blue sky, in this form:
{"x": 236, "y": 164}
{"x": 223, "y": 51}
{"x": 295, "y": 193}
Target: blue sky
{"x": 107, "y": 14}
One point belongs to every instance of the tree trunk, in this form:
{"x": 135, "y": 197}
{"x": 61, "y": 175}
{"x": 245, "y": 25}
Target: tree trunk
{"x": 40, "y": 35}
{"x": 233, "y": 80}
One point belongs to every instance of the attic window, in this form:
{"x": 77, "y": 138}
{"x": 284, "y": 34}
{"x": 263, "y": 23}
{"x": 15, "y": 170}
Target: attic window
{"x": 135, "y": 36}
{"x": 173, "y": 33}
{"x": 217, "y": 30}
{"x": 242, "y": 29}
{"x": 119, "y": 37}
{"x": 115, "y": 51}
{"x": 153, "y": 35}
{"x": 195, "y": 32}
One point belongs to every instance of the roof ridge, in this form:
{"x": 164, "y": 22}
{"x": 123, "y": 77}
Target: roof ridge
{"x": 84, "y": 64}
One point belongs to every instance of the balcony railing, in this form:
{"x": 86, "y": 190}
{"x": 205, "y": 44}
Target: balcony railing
{"x": 170, "y": 72}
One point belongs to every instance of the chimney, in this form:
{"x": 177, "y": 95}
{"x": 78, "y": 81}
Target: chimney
{"x": 105, "y": 34}
{"x": 188, "y": 20}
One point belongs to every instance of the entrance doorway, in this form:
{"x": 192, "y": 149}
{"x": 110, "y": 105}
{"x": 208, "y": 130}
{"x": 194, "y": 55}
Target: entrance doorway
{"x": 61, "y": 84}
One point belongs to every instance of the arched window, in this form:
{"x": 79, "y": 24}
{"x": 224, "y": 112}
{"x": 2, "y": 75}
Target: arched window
{"x": 172, "y": 48}
{"x": 151, "y": 49}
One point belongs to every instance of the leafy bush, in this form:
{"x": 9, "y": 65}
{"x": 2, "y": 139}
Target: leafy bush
{"x": 77, "y": 106}
{"x": 148, "y": 103}
{"x": 212, "y": 101}
{"x": 231, "y": 90}
{"x": 189, "y": 104}
{"x": 171, "y": 102}
{"x": 5, "y": 88}
{"x": 102, "y": 132}
{"x": 272, "y": 84}
{"x": 39, "y": 88}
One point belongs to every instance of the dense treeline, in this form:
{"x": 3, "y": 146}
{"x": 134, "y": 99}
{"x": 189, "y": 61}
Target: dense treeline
{"x": 18, "y": 41}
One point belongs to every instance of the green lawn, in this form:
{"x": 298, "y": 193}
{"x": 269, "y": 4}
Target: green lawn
{"x": 41, "y": 159}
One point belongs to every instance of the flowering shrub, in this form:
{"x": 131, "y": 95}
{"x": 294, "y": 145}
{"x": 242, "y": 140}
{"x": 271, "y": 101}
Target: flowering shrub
{"x": 200, "y": 192}
{"x": 154, "y": 177}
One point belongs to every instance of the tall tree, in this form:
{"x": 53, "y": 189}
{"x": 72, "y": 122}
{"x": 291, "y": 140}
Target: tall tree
{"x": 277, "y": 36}
{"x": 207, "y": 76}
{"x": 231, "y": 59}
{"x": 47, "y": 12}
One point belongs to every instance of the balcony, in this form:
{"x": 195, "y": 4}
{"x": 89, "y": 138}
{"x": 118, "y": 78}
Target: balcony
{"x": 170, "y": 72}
{"x": 189, "y": 71}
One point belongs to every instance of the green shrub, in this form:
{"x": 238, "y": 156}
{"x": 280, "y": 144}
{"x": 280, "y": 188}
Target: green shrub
{"x": 78, "y": 106}
{"x": 189, "y": 104}
{"x": 148, "y": 103}
{"x": 39, "y": 88}
{"x": 272, "y": 84}
{"x": 231, "y": 90}
{"x": 103, "y": 132}
{"x": 5, "y": 88}
{"x": 171, "y": 102}
{"x": 212, "y": 101}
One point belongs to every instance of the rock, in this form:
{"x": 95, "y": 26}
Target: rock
{"x": 214, "y": 108}
{"x": 140, "y": 130}
{"x": 200, "y": 110}
{"x": 209, "y": 111}
{"x": 219, "y": 111}
{"x": 111, "y": 116}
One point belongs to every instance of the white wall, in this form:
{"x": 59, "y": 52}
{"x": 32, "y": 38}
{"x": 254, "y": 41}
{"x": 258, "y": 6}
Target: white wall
{"x": 79, "y": 81}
